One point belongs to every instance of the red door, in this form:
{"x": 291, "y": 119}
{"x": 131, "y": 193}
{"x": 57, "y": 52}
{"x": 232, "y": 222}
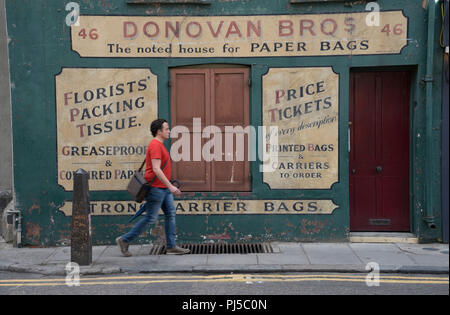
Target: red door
{"x": 379, "y": 151}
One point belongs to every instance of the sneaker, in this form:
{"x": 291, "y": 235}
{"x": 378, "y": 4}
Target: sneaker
{"x": 177, "y": 251}
{"x": 123, "y": 247}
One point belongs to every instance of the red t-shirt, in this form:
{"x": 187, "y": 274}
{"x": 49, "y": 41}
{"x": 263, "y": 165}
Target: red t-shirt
{"x": 157, "y": 150}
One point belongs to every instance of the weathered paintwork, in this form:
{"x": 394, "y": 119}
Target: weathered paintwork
{"x": 40, "y": 47}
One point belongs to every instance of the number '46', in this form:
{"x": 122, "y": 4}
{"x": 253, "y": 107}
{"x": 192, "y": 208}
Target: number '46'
{"x": 397, "y": 30}
{"x": 92, "y": 34}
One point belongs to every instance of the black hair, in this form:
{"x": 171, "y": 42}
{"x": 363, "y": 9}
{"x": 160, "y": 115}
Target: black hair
{"x": 157, "y": 125}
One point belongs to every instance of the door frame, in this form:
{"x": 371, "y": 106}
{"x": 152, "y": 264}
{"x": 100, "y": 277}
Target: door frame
{"x": 412, "y": 99}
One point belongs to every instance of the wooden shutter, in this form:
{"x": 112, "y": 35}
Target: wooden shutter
{"x": 191, "y": 98}
{"x": 219, "y": 97}
{"x": 230, "y": 107}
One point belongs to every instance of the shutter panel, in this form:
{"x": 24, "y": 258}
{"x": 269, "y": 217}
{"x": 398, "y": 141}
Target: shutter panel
{"x": 190, "y": 93}
{"x": 230, "y": 107}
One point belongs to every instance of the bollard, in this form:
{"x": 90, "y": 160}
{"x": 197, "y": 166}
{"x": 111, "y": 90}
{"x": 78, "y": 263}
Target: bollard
{"x": 81, "y": 242}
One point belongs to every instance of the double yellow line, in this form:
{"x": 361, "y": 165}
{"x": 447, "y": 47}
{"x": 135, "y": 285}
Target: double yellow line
{"x": 243, "y": 278}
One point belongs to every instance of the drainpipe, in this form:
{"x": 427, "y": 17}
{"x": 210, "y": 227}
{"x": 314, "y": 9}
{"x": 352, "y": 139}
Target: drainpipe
{"x": 429, "y": 80}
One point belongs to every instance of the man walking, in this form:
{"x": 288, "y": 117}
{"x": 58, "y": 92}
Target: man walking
{"x": 160, "y": 194}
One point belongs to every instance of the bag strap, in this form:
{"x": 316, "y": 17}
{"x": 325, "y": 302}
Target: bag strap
{"x": 143, "y": 163}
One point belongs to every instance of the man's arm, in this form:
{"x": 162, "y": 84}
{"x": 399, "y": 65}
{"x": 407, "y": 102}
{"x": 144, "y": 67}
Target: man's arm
{"x": 156, "y": 164}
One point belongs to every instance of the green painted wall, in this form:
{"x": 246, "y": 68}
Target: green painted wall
{"x": 40, "y": 48}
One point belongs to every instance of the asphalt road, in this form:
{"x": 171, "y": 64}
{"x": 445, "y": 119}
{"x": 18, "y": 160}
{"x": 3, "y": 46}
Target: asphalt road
{"x": 198, "y": 285}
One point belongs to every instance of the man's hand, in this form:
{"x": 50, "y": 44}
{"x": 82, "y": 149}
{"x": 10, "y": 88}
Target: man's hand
{"x": 174, "y": 190}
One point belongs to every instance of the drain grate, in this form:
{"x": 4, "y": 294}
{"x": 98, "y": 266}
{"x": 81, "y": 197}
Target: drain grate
{"x": 219, "y": 248}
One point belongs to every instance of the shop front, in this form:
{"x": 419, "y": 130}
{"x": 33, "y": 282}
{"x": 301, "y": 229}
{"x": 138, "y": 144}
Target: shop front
{"x": 291, "y": 120}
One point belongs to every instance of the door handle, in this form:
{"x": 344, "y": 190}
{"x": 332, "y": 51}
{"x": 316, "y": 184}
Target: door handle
{"x": 379, "y": 169}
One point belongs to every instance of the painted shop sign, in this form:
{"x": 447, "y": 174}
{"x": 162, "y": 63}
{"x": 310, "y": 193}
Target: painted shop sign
{"x": 212, "y": 207}
{"x": 103, "y": 119}
{"x": 239, "y": 36}
{"x": 304, "y": 104}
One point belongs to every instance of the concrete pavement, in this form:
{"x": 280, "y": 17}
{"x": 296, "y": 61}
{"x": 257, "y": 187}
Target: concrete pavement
{"x": 287, "y": 257}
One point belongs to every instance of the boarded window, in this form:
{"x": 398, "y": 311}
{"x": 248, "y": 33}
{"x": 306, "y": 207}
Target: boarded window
{"x": 217, "y": 97}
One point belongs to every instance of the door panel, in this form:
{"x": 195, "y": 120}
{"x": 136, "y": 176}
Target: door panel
{"x": 379, "y": 153}
{"x": 365, "y": 197}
